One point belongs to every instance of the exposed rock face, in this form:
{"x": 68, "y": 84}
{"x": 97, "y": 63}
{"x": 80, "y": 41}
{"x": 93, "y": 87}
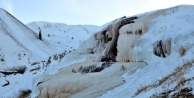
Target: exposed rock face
{"x": 162, "y": 48}
{"x": 107, "y": 39}
{"x": 116, "y": 42}
{"x": 125, "y": 31}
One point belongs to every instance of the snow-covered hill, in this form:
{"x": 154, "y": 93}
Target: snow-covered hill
{"x": 149, "y": 55}
{"x": 68, "y": 37}
{"x": 24, "y": 56}
{"x": 153, "y": 53}
{"x": 19, "y": 42}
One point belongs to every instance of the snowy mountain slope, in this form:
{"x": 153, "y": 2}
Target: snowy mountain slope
{"x": 66, "y": 36}
{"x": 162, "y": 41}
{"x": 17, "y": 39}
{"x": 23, "y": 56}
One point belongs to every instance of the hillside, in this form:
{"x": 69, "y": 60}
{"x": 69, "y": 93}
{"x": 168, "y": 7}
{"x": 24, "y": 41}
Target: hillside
{"x": 24, "y": 56}
{"x": 20, "y": 49}
{"x": 68, "y": 37}
{"x": 149, "y": 55}
{"x": 141, "y": 56}
{"x": 17, "y": 41}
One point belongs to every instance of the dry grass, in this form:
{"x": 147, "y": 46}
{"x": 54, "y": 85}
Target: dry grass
{"x": 177, "y": 75}
{"x": 142, "y": 88}
{"x": 182, "y": 81}
{"x": 182, "y": 51}
{"x": 145, "y": 88}
{"x": 181, "y": 93}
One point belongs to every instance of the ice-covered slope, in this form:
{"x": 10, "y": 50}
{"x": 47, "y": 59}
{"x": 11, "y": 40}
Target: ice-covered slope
{"x": 68, "y": 37}
{"x": 154, "y": 50}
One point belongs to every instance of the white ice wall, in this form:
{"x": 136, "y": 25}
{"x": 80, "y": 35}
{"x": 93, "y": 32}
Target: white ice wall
{"x": 125, "y": 44}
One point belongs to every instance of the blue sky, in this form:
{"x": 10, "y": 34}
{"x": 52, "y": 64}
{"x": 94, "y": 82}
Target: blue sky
{"x": 95, "y": 12}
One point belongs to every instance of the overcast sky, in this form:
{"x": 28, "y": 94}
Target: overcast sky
{"x": 95, "y": 12}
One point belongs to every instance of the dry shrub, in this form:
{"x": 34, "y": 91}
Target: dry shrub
{"x": 34, "y": 69}
{"x": 17, "y": 69}
{"x": 183, "y": 93}
{"x": 24, "y": 93}
{"x": 123, "y": 68}
{"x": 14, "y": 70}
{"x": 182, "y": 51}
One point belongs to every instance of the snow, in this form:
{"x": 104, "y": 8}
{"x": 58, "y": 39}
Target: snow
{"x": 178, "y": 26}
{"x": 176, "y": 23}
{"x": 68, "y": 37}
{"x": 20, "y": 46}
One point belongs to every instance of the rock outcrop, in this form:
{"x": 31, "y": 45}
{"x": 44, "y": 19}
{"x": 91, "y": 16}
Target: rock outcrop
{"x": 123, "y": 30}
{"x": 162, "y": 48}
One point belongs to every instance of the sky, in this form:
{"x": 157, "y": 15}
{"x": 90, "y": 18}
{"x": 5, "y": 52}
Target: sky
{"x": 74, "y": 12}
